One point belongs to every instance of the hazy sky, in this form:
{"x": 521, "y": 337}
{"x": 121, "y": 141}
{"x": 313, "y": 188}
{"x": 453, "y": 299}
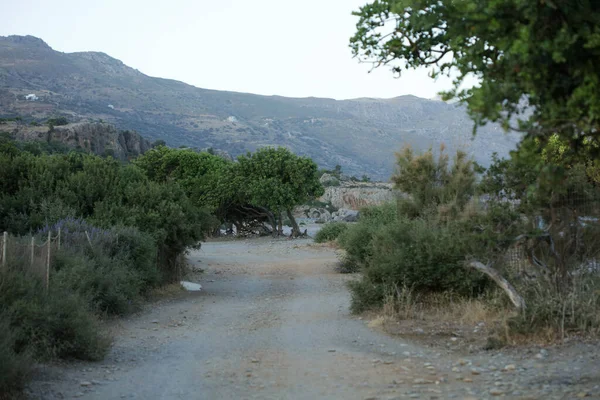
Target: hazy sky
{"x": 288, "y": 48}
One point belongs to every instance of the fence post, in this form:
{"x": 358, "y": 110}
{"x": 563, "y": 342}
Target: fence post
{"x": 89, "y": 240}
{"x": 4, "y": 243}
{"x": 58, "y": 238}
{"x": 32, "y": 249}
{"x": 48, "y": 260}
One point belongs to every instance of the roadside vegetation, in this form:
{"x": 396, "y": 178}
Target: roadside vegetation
{"x": 540, "y": 238}
{"x": 330, "y": 232}
{"x": 524, "y": 231}
{"x": 124, "y": 229}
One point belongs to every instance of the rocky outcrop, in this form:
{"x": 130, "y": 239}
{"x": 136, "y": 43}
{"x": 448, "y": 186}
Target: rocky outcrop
{"x": 345, "y": 215}
{"x": 355, "y": 195}
{"x": 329, "y": 180}
{"x": 96, "y": 137}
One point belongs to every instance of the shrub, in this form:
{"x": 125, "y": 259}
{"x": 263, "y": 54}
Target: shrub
{"x": 559, "y": 313}
{"x": 356, "y": 240}
{"x": 330, "y": 232}
{"x": 423, "y": 255}
{"x": 136, "y": 249}
{"x": 419, "y": 254}
{"x": 14, "y": 367}
{"x": 432, "y": 182}
{"x": 365, "y": 295}
{"x": 108, "y": 284}
{"x": 112, "y": 271}
{"x": 49, "y": 324}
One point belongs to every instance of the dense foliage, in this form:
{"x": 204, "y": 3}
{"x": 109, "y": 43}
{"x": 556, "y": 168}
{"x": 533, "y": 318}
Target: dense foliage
{"x": 279, "y": 180}
{"x": 536, "y": 61}
{"x": 256, "y": 189}
{"x": 533, "y": 218}
{"x": 124, "y": 229}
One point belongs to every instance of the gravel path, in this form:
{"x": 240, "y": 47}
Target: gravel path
{"x": 272, "y": 322}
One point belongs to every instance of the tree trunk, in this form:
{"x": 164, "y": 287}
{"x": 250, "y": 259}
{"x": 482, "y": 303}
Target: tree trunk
{"x": 238, "y": 228}
{"x": 280, "y": 225}
{"x": 272, "y": 222}
{"x": 515, "y": 297}
{"x": 295, "y": 227}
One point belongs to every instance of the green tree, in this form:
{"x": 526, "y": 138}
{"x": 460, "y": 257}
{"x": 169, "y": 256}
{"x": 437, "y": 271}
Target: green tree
{"x": 536, "y": 60}
{"x": 200, "y": 174}
{"x": 279, "y": 180}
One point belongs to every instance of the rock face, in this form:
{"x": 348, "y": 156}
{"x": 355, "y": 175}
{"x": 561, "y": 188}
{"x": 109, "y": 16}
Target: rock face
{"x": 98, "y": 138}
{"x": 355, "y": 195}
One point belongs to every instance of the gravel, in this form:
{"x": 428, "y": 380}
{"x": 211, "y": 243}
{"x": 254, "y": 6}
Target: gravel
{"x": 255, "y": 333}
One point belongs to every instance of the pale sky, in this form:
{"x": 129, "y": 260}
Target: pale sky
{"x": 270, "y": 47}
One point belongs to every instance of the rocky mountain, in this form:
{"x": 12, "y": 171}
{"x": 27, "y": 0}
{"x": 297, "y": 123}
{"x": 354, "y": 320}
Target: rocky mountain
{"x": 361, "y": 135}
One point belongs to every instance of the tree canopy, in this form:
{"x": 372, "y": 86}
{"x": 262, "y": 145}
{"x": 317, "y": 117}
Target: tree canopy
{"x": 255, "y": 189}
{"x": 536, "y": 60}
{"x": 279, "y": 180}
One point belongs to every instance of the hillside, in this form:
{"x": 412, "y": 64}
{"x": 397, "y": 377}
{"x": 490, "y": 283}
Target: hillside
{"x": 360, "y": 135}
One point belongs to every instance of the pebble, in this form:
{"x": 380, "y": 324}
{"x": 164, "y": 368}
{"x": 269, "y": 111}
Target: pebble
{"x": 421, "y": 381}
{"x": 510, "y": 367}
{"x": 496, "y": 392}
{"x": 331, "y": 350}
{"x": 85, "y": 383}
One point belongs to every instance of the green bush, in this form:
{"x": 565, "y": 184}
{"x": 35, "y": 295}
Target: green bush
{"x": 14, "y": 367}
{"x": 366, "y": 295}
{"x": 49, "y": 324}
{"x": 330, "y": 232}
{"x": 138, "y": 250}
{"x": 356, "y": 240}
{"x": 108, "y": 284}
{"x": 421, "y": 254}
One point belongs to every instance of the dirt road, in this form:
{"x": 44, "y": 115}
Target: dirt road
{"x": 272, "y": 322}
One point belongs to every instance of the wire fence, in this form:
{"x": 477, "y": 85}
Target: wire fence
{"x": 35, "y": 254}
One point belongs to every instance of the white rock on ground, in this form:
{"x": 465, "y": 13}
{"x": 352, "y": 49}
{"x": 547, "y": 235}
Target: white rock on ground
{"x": 191, "y": 286}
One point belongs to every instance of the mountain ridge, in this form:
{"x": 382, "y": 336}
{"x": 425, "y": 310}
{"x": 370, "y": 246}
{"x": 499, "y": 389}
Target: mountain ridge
{"x": 360, "y": 134}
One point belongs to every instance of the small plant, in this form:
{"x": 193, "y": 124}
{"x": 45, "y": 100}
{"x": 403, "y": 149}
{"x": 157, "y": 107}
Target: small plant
{"x": 330, "y": 232}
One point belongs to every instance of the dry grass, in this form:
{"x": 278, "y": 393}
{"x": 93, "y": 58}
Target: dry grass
{"x": 436, "y": 318}
{"x": 166, "y": 291}
{"x": 489, "y": 321}
{"x": 407, "y": 304}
